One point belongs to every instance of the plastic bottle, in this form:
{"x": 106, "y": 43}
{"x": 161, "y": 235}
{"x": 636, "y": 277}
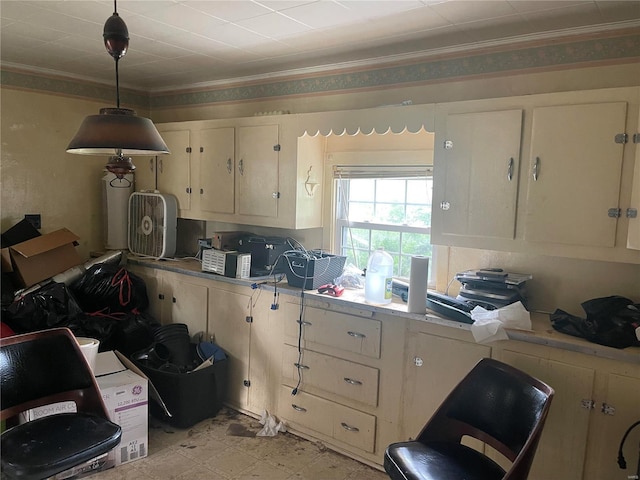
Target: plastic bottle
{"x": 379, "y": 277}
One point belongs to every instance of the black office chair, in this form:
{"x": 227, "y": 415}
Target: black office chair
{"x": 43, "y": 368}
{"x": 496, "y": 404}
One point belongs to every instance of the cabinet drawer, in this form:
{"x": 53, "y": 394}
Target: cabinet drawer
{"x": 338, "y": 330}
{"x": 344, "y": 424}
{"x": 334, "y": 375}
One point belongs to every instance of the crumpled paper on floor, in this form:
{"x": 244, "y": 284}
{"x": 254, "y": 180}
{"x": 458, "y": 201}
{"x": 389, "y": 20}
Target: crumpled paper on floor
{"x": 489, "y": 325}
{"x": 271, "y": 426}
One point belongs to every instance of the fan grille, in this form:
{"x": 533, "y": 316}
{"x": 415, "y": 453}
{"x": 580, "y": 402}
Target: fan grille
{"x": 152, "y": 224}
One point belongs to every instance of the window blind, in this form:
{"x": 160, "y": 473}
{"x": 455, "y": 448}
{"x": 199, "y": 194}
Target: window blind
{"x": 381, "y": 171}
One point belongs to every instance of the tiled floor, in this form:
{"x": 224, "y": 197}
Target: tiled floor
{"x": 225, "y": 447}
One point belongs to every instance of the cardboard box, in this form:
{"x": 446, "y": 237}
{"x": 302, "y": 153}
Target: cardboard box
{"x": 125, "y": 394}
{"x": 43, "y": 257}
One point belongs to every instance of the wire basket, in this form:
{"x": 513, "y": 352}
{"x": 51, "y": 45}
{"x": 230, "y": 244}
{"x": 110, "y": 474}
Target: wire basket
{"x": 313, "y": 269}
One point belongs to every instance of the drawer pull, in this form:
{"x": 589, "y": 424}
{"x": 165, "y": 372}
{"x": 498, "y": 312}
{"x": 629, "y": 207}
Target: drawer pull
{"x": 300, "y": 365}
{"x": 299, "y": 409}
{"x": 351, "y": 381}
{"x": 303, "y": 323}
{"x": 357, "y": 335}
{"x": 349, "y": 428}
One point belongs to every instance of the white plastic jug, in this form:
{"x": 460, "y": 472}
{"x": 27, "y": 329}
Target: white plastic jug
{"x": 379, "y": 277}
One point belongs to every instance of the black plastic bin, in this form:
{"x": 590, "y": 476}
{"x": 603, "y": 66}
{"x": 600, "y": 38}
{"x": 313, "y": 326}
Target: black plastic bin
{"x": 190, "y": 397}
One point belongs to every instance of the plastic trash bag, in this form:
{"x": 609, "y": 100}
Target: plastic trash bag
{"x": 610, "y": 321}
{"x": 51, "y": 305}
{"x": 110, "y": 288}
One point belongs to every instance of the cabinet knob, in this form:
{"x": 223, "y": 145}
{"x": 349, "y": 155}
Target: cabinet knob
{"x": 241, "y": 166}
{"x": 510, "y": 169}
{"x": 418, "y": 362}
{"x": 229, "y": 166}
{"x": 445, "y": 205}
{"x": 536, "y": 169}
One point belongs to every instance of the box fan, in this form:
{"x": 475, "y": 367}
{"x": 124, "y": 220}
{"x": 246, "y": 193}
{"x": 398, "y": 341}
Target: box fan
{"x": 153, "y": 224}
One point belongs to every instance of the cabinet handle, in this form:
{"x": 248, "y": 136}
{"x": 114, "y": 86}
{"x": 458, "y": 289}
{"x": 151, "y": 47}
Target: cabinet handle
{"x": 349, "y": 428}
{"x": 357, "y": 335}
{"x": 301, "y": 366}
{"x": 241, "y": 166}
{"x": 229, "y": 166}
{"x": 304, "y": 324}
{"x": 536, "y": 169}
{"x": 297, "y": 408}
{"x": 510, "y": 170}
{"x": 160, "y": 165}
{"x": 351, "y": 381}
{"x": 151, "y": 164}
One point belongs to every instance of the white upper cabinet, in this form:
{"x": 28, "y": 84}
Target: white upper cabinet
{"x": 572, "y": 194}
{"x": 479, "y": 165}
{"x": 216, "y": 153}
{"x": 574, "y": 174}
{"x": 257, "y": 170}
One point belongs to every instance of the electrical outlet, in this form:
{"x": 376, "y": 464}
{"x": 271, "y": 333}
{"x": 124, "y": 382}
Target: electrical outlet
{"x": 205, "y": 242}
{"x": 35, "y": 220}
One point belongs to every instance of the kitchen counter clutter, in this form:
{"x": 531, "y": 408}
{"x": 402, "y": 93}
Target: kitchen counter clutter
{"x": 541, "y": 333}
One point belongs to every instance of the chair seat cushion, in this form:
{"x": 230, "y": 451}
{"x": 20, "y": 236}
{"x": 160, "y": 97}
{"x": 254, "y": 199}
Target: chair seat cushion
{"x": 438, "y": 461}
{"x": 49, "y": 445}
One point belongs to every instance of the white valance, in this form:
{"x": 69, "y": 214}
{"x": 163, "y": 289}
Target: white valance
{"x": 397, "y": 119}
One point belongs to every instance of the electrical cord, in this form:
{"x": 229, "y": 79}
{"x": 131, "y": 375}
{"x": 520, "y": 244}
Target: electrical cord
{"x": 622, "y": 463}
{"x": 300, "y": 325}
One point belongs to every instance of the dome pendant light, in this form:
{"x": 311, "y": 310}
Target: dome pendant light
{"x": 117, "y": 131}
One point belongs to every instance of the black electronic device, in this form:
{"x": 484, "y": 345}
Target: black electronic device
{"x": 266, "y": 254}
{"x": 449, "y": 307}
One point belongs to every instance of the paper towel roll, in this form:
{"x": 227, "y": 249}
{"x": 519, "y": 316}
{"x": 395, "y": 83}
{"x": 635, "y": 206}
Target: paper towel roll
{"x": 418, "y": 277}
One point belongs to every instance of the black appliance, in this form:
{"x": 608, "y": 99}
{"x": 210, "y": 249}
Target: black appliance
{"x": 266, "y": 254}
{"x": 492, "y": 288}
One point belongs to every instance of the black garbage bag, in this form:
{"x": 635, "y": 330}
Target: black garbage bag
{"x": 52, "y": 305}
{"x": 610, "y": 321}
{"x": 127, "y": 332}
{"x": 110, "y": 288}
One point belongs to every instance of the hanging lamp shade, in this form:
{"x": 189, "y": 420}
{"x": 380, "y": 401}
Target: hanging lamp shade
{"x": 117, "y": 131}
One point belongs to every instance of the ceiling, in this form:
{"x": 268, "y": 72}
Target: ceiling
{"x": 177, "y": 44}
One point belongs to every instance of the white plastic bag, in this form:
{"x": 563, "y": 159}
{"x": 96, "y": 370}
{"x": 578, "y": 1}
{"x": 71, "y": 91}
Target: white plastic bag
{"x": 271, "y": 426}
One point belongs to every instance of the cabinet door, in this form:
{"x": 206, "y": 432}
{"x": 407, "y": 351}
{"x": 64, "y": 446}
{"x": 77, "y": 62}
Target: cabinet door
{"x": 574, "y": 174}
{"x": 481, "y": 156}
{"x": 184, "y": 302}
{"x": 257, "y": 171}
{"x": 435, "y": 365}
{"x": 562, "y": 448}
{"x": 145, "y": 173}
{"x": 228, "y": 324}
{"x": 174, "y": 169}
{"x": 617, "y": 411}
{"x": 217, "y": 160}
{"x": 633, "y": 235}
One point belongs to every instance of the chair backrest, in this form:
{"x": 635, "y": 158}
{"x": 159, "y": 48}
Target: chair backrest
{"x": 500, "y": 406}
{"x": 45, "y": 367}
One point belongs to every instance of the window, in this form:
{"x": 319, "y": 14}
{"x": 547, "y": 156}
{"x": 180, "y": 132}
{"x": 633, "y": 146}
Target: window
{"x": 383, "y": 206}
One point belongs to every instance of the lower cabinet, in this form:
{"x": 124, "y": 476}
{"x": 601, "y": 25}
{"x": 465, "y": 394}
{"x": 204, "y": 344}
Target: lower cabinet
{"x": 235, "y": 317}
{"x": 434, "y": 366}
{"x": 341, "y": 377}
{"x": 595, "y": 401}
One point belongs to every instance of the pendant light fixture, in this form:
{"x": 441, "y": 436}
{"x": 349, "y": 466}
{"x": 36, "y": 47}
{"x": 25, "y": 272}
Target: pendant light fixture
{"x": 117, "y": 131}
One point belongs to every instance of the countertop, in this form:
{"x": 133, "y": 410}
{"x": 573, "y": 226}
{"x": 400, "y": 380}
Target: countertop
{"x": 541, "y": 333}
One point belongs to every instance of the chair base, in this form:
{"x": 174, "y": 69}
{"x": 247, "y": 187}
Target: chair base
{"x": 438, "y": 461}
